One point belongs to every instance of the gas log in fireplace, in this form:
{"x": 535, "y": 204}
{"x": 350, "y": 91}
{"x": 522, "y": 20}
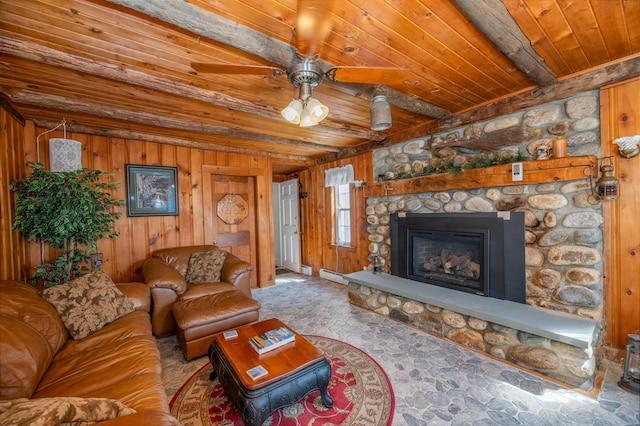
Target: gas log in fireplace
{"x": 479, "y": 253}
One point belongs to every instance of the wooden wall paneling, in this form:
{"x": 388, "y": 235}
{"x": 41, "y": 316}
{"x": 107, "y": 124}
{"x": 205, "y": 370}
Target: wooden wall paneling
{"x": 13, "y": 247}
{"x": 318, "y": 250}
{"x": 170, "y": 223}
{"x": 306, "y": 222}
{"x": 154, "y": 223}
{"x": 99, "y": 158}
{"x": 315, "y": 220}
{"x": 194, "y": 184}
{"x": 208, "y": 193}
{"x": 621, "y": 117}
{"x": 123, "y": 244}
{"x": 35, "y": 252}
{"x": 264, "y": 221}
{"x": 365, "y": 174}
{"x": 141, "y": 245}
{"x": 139, "y": 236}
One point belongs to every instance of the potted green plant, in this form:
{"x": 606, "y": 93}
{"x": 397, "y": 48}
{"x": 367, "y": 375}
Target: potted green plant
{"x": 69, "y": 210}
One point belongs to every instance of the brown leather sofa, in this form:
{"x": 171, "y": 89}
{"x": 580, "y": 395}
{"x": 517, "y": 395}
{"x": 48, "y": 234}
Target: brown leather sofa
{"x": 195, "y": 312}
{"x": 121, "y": 361}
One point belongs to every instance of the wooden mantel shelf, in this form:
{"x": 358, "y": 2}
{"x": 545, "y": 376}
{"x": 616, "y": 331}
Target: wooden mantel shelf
{"x": 538, "y": 171}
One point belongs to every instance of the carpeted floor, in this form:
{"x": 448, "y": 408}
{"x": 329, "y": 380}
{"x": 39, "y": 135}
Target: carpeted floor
{"x": 435, "y": 382}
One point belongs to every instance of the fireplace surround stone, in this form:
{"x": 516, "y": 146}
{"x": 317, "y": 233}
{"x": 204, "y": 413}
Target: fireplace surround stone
{"x": 563, "y": 236}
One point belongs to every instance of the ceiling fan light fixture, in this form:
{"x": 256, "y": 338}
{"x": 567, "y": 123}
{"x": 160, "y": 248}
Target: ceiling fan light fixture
{"x": 306, "y": 120}
{"x": 317, "y": 110}
{"x": 305, "y": 111}
{"x": 293, "y": 111}
{"x": 380, "y": 113}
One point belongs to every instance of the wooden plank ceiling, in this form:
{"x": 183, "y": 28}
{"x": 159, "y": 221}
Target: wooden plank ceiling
{"x": 122, "y": 67}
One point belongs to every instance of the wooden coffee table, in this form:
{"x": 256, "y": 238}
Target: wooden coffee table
{"x": 293, "y": 370}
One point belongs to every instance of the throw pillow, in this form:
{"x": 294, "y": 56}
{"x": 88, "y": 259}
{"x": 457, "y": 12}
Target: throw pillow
{"x": 205, "y": 266}
{"x": 61, "y": 411}
{"x": 88, "y": 303}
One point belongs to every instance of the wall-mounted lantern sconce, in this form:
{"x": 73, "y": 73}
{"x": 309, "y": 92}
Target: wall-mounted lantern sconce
{"x": 628, "y": 146}
{"x": 631, "y": 374}
{"x": 606, "y": 188}
{"x": 607, "y": 185}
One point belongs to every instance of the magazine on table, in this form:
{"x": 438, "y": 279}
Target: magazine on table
{"x": 271, "y": 339}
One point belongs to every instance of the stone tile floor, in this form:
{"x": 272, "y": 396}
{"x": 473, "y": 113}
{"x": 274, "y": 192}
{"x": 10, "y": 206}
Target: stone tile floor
{"x": 435, "y": 382}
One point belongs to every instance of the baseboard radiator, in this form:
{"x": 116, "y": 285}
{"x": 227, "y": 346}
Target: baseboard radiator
{"x": 333, "y": 276}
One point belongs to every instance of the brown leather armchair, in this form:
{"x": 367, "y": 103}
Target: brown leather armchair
{"x": 164, "y": 272}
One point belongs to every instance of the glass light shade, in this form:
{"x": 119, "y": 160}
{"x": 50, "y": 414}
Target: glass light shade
{"x": 306, "y": 120}
{"x": 293, "y": 112}
{"x": 65, "y": 155}
{"x": 317, "y": 111}
{"x": 380, "y": 113}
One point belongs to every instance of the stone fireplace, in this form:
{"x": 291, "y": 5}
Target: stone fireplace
{"x": 478, "y": 253}
{"x": 557, "y": 330}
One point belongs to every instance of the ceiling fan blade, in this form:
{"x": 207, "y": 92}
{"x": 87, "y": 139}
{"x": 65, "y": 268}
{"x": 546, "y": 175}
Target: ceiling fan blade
{"x": 312, "y": 26}
{"x": 371, "y": 75}
{"x": 236, "y": 69}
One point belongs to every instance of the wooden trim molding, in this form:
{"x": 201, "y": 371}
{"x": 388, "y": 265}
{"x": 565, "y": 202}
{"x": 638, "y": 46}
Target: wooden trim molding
{"x": 553, "y": 170}
{"x": 7, "y": 105}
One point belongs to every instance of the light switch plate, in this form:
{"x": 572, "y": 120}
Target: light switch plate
{"x": 516, "y": 172}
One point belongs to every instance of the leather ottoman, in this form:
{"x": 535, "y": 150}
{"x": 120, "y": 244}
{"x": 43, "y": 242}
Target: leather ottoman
{"x": 199, "y": 319}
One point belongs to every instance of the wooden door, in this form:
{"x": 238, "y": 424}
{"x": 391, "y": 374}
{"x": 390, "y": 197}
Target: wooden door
{"x": 233, "y": 221}
{"x": 290, "y": 242}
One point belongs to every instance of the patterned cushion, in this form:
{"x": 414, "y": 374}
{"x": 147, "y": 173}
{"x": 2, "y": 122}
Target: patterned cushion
{"x": 88, "y": 303}
{"x": 205, "y": 266}
{"x": 61, "y": 411}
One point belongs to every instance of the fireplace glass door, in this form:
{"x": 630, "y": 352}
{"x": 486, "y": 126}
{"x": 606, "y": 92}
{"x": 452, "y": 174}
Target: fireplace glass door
{"x": 449, "y": 259}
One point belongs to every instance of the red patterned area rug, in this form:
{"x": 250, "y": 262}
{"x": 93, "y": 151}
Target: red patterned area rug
{"x": 361, "y": 392}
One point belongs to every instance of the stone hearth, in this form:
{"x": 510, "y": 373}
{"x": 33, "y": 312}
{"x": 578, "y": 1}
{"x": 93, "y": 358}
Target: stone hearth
{"x": 558, "y": 345}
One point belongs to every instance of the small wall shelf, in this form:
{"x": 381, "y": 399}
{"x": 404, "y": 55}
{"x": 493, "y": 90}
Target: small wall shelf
{"x": 538, "y": 171}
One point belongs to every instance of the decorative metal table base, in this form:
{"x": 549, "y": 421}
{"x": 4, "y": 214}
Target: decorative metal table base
{"x": 255, "y": 406}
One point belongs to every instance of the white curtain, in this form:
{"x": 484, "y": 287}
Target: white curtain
{"x": 338, "y": 176}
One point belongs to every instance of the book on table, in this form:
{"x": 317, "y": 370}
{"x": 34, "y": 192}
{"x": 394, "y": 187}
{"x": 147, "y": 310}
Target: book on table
{"x": 271, "y": 339}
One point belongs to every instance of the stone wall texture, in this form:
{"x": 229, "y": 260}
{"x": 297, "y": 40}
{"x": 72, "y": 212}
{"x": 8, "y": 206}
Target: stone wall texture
{"x": 563, "y": 219}
{"x": 563, "y": 235}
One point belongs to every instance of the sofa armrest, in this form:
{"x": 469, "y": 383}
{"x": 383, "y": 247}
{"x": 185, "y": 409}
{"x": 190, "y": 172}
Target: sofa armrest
{"x": 158, "y": 274}
{"x": 238, "y": 273}
{"x": 138, "y": 293}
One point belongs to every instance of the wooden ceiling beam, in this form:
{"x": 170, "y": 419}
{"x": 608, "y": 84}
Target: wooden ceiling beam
{"x": 65, "y": 104}
{"x": 594, "y": 79}
{"x": 198, "y": 21}
{"x": 493, "y": 19}
{"x": 38, "y": 53}
{"x": 188, "y": 143}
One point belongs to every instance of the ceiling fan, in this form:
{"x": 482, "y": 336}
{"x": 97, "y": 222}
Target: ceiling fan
{"x": 312, "y": 26}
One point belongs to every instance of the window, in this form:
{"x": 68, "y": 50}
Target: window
{"x": 343, "y": 214}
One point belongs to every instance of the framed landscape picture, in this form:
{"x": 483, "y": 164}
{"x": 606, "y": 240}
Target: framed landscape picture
{"x": 151, "y": 190}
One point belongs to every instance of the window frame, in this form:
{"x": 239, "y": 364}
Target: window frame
{"x": 338, "y": 208}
